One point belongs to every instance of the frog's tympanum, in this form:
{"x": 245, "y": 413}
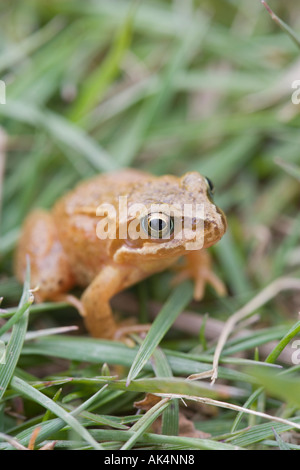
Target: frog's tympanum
{"x": 67, "y": 249}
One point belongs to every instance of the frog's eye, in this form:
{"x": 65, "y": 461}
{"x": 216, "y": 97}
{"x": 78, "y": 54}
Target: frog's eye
{"x": 210, "y": 185}
{"x": 158, "y": 225}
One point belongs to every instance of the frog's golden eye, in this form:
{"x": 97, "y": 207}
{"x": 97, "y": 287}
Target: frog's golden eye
{"x": 210, "y": 185}
{"x": 158, "y": 225}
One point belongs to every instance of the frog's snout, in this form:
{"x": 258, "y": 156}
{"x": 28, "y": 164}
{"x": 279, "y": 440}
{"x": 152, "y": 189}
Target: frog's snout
{"x": 214, "y": 227}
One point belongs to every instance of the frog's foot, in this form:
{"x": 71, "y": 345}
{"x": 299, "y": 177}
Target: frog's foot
{"x": 199, "y": 268}
{"x": 99, "y": 320}
{"x": 100, "y": 324}
{"x": 107, "y": 327}
{"x": 97, "y": 312}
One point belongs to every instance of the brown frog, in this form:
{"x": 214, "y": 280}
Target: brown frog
{"x": 67, "y": 246}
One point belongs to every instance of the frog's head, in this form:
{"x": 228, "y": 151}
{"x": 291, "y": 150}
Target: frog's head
{"x": 168, "y": 216}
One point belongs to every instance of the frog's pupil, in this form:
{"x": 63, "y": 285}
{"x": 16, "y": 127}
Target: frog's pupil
{"x": 157, "y": 224}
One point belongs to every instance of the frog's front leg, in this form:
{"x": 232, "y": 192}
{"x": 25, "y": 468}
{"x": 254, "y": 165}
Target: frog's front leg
{"x": 198, "y": 267}
{"x": 98, "y": 316}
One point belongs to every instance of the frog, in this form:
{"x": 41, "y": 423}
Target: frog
{"x": 67, "y": 251}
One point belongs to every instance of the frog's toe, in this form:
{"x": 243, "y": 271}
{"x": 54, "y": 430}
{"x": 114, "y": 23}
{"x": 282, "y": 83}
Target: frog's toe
{"x": 198, "y": 267}
{"x": 208, "y": 277}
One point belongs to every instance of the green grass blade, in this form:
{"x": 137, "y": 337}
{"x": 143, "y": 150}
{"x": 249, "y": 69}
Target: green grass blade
{"x": 271, "y": 358}
{"x": 15, "y": 344}
{"x": 232, "y": 261}
{"x": 112, "y": 352}
{"x": 18, "y": 52}
{"x": 161, "y": 441}
{"x": 61, "y": 130}
{"x": 257, "y": 433}
{"x": 279, "y": 386}
{"x": 48, "y": 413}
{"x": 163, "y": 385}
{"x": 97, "y": 83}
{"x": 16, "y": 317}
{"x": 144, "y": 422}
{"x": 171, "y": 442}
{"x": 170, "y": 418}
{"x": 88, "y": 403}
{"x": 177, "y": 301}
{"x": 275, "y": 353}
{"x": 129, "y": 145}
{"x": 247, "y": 404}
{"x": 281, "y": 444}
{"x": 292, "y": 169}
{"x": 30, "y": 392}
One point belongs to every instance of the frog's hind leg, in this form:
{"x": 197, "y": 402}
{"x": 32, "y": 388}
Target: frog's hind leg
{"x": 50, "y": 271}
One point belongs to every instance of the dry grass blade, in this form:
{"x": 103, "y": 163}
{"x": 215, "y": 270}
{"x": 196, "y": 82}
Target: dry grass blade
{"x": 282, "y": 24}
{"x": 231, "y": 406}
{"x": 263, "y": 297}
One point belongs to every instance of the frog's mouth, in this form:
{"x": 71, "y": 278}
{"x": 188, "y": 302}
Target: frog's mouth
{"x": 149, "y": 251}
{"x": 138, "y": 251}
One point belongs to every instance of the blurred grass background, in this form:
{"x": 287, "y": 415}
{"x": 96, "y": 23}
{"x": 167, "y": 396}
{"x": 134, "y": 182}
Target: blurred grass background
{"x": 168, "y": 87}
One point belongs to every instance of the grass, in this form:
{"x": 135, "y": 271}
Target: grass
{"x": 166, "y": 87}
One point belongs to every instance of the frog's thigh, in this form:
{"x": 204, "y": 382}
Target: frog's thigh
{"x": 199, "y": 268}
{"x": 50, "y": 271}
{"x": 98, "y": 315}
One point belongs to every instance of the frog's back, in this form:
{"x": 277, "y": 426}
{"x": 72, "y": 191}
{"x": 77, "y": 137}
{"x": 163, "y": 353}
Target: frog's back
{"x": 76, "y": 220}
{"x": 101, "y": 188}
